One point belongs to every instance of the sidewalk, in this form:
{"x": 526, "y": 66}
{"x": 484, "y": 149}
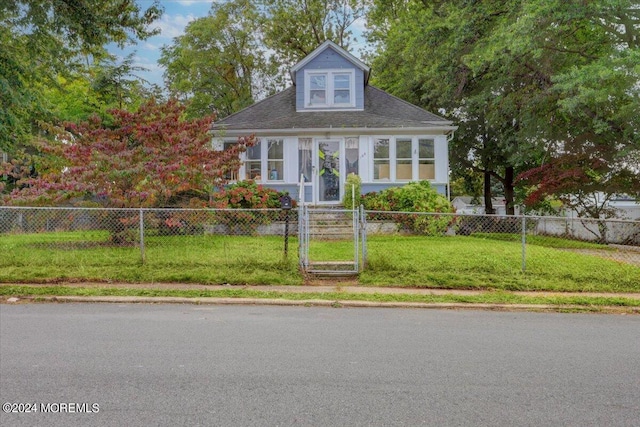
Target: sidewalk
{"x": 347, "y": 289}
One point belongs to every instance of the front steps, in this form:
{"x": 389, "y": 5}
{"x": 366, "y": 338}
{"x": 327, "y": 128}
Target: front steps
{"x": 330, "y": 225}
{"x": 332, "y": 269}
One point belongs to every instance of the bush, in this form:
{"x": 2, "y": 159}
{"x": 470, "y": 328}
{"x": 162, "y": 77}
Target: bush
{"x": 247, "y": 195}
{"x": 419, "y": 197}
{"x": 349, "y": 201}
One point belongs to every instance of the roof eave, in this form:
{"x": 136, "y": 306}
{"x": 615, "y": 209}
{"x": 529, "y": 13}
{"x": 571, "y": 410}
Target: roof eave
{"x": 444, "y": 129}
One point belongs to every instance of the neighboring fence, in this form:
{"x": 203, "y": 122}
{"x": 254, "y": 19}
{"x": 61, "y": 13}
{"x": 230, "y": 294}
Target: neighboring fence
{"x": 215, "y": 236}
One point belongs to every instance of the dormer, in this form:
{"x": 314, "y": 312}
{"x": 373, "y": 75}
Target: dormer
{"x": 330, "y": 79}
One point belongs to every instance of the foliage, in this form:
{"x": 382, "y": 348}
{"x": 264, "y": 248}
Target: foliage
{"x": 219, "y": 64}
{"x": 293, "y": 29}
{"x": 246, "y": 197}
{"x": 143, "y": 160}
{"x": 353, "y": 186}
{"x": 583, "y": 181}
{"x": 242, "y": 51}
{"x": 527, "y": 81}
{"x": 62, "y": 35}
{"x": 413, "y": 197}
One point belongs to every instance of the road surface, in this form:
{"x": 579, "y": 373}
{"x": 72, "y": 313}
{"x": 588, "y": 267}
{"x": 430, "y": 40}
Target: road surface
{"x": 139, "y": 365}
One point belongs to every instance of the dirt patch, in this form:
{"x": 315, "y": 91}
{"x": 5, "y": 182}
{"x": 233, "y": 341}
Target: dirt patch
{"x": 620, "y": 254}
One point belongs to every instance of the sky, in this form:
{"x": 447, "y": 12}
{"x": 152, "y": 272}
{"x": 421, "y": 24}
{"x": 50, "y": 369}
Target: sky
{"x": 177, "y": 14}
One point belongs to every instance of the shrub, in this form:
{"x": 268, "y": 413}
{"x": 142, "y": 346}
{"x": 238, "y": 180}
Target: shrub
{"x": 419, "y": 197}
{"x": 247, "y": 195}
{"x": 349, "y": 201}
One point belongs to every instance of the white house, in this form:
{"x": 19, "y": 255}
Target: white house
{"x": 331, "y": 123}
{"x": 466, "y": 205}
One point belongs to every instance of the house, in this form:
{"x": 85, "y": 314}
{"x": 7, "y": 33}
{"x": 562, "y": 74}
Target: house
{"x": 467, "y": 205}
{"x": 331, "y": 123}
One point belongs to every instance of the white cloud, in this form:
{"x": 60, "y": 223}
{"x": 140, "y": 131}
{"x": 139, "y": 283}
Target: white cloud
{"x": 173, "y": 25}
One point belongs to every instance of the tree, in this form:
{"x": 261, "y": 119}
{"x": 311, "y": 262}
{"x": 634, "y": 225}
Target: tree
{"x": 293, "y": 29}
{"x": 241, "y": 53}
{"x": 60, "y": 34}
{"x": 142, "y": 160}
{"x": 219, "y": 64}
{"x": 522, "y": 78}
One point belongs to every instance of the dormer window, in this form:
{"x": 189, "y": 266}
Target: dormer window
{"x": 329, "y": 89}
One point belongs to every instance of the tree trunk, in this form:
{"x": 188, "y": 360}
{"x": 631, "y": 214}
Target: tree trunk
{"x": 508, "y": 191}
{"x": 488, "y": 204}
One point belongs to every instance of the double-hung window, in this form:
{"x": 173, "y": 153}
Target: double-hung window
{"x": 404, "y": 164}
{"x": 381, "y": 153}
{"x": 230, "y": 175}
{"x": 275, "y": 159}
{"x": 426, "y": 159}
{"x": 329, "y": 89}
{"x": 253, "y": 162}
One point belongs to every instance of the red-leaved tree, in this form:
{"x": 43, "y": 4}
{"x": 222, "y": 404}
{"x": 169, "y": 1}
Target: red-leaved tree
{"x": 141, "y": 159}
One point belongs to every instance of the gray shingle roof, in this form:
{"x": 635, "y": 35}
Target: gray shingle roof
{"x": 381, "y": 110}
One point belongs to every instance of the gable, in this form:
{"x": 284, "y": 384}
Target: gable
{"x": 329, "y": 79}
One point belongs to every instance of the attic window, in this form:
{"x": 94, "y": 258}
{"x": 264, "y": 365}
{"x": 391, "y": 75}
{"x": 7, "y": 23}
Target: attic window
{"x": 329, "y": 89}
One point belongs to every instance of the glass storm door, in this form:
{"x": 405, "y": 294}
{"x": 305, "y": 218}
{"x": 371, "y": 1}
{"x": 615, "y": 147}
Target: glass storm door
{"x": 328, "y": 176}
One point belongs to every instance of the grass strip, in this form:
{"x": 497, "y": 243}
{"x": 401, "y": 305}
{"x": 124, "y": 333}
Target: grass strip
{"x": 499, "y": 297}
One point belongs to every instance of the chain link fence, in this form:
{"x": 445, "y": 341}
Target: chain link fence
{"x": 608, "y": 238}
{"x": 188, "y": 241}
{"x": 181, "y": 244}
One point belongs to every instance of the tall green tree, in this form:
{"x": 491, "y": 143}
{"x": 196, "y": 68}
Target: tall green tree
{"x": 243, "y": 49}
{"x": 219, "y": 64}
{"x": 293, "y": 29}
{"x": 512, "y": 74}
{"x": 41, "y": 40}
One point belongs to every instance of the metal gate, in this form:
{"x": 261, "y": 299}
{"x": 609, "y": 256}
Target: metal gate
{"x": 332, "y": 241}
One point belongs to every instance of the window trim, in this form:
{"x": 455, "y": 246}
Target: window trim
{"x": 330, "y": 89}
{"x": 393, "y": 158}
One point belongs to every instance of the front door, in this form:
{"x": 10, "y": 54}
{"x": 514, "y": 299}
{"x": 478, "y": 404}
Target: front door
{"x": 328, "y": 174}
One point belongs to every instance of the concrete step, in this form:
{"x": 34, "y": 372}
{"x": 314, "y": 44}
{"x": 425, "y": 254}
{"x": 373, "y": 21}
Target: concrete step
{"x": 332, "y": 269}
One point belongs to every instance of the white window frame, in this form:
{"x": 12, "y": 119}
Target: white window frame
{"x": 329, "y": 89}
{"x": 265, "y": 173}
{"x": 393, "y": 157}
{"x": 281, "y": 161}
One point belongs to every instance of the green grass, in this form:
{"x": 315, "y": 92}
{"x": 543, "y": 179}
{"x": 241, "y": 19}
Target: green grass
{"x": 586, "y": 302}
{"x": 473, "y": 262}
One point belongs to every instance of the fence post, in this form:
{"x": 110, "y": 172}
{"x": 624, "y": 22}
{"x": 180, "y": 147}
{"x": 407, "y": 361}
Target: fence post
{"x": 142, "y": 257}
{"x": 363, "y": 228}
{"x": 524, "y": 242}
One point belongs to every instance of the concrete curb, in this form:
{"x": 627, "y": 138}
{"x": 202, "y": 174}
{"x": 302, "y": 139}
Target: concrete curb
{"x": 326, "y": 303}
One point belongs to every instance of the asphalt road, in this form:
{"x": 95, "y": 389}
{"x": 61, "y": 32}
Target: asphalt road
{"x": 173, "y": 365}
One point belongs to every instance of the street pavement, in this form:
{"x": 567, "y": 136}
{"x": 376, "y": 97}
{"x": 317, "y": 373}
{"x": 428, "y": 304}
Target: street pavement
{"x": 167, "y": 364}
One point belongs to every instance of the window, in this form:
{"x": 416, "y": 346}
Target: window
{"x": 253, "y": 163}
{"x": 305, "y": 165}
{"x": 342, "y": 89}
{"x": 329, "y": 89}
{"x": 230, "y": 175}
{"x": 318, "y": 89}
{"x": 351, "y": 155}
{"x": 275, "y": 159}
{"x": 404, "y": 170}
{"x": 426, "y": 159}
{"x": 381, "y": 159}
